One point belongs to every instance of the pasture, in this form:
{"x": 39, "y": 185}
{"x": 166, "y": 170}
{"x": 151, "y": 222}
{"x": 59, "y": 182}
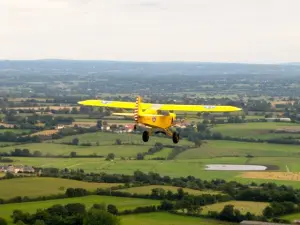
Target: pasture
{"x": 43, "y": 186}
{"x": 148, "y": 190}
{"x": 259, "y": 130}
{"x": 16, "y": 131}
{"x": 108, "y": 138}
{"x": 120, "y": 202}
{"x": 65, "y": 150}
{"x": 220, "y": 148}
{"x": 164, "y": 218}
{"x": 244, "y": 206}
{"x": 291, "y": 217}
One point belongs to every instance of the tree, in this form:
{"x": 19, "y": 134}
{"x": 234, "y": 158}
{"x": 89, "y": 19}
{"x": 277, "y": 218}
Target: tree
{"x": 99, "y": 124}
{"x": 39, "y": 222}
{"x": 100, "y": 217}
{"x": 118, "y": 142}
{"x": 110, "y": 156}
{"x": 268, "y": 212}
{"x": 101, "y": 206}
{"x": 73, "y": 154}
{"x": 112, "y": 209}
{"x": 3, "y": 221}
{"x": 198, "y": 142}
{"x": 75, "y": 141}
{"x": 37, "y": 154}
{"x": 139, "y": 156}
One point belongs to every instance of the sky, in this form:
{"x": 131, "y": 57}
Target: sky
{"x": 252, "y": 31}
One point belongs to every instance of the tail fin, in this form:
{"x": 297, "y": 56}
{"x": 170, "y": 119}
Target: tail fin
{"x": 138, "y": 109}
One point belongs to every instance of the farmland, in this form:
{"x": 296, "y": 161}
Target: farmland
{"x": 244, "y": 206}
{"x": 147, "y": 190}
{"x": 122, "y": 204}
{"x": 166, "y": 218}
{"x": 107, "y": 138}
{"x": 41, "y": 186}
{"x": 65, "y": 150}
{"x": 42, "y": 103}
{"x": 263, "y": 130}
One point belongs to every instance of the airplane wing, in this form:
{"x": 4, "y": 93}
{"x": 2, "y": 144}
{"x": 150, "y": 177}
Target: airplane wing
{"x": 163, "y": 107}
{"x": 199, "y": 108}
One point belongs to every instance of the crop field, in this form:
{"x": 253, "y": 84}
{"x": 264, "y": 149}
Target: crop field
{"x": 244, "y": 206}
{"x": 148, "y": 190}
{"x": 293, "y": 176}
{"x": 65, "y": 150}
{"x": 120, "y": 202}
{"x": 163, "y": 218}
{"x": 45, "y": 132}
{"x": 257, "y": 130}
{"x": 41, "y": 186}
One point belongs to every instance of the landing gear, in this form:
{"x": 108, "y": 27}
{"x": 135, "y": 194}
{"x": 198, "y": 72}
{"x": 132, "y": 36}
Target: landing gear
{"x": 175, "y": 137}
{"x": 145, "y": 136}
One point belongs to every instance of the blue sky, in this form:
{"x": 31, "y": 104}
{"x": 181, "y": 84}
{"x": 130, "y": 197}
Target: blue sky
{"x": 263, "y": 31}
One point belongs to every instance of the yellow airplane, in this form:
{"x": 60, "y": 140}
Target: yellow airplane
{"x": 156, "y": 116}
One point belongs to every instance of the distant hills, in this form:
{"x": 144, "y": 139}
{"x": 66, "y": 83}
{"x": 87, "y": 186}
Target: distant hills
{"x": 84, "y": 67}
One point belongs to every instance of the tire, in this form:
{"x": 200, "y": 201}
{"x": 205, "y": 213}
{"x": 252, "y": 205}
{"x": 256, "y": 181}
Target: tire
{"x": 175, "y": 138}
{"x": 145, "y": 136}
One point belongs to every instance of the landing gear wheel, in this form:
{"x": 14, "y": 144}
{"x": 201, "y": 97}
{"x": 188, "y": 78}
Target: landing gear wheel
{"x": 175, "y": 138}
{"x": 145, "y": 136}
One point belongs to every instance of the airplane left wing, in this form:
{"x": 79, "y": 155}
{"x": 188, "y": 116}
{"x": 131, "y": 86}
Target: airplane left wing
{"x": 163, "y": 107}
{"x": 196, "y": 108}
{"x": 110, "y": 104}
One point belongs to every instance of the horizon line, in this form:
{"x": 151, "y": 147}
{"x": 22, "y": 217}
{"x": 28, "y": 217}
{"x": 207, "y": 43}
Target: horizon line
{"x": 153, "y": 61}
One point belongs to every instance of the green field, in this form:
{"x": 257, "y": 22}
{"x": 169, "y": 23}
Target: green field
{"x": 120, "y": 202}
{"x": 65, "y": 150}
{"x": 244, "y": 206}
{"x": 16, "y": 131}
{"x": 256, "y": 130}
{"x": 162, "y": 154}
{"x": 291, "y": 217}
{"x": 222, "y": 148}
{"x": 107, "y": 138}
{"x": 147, "y": 190}
{"x": 162, "y": 218}
{"x": 42, "y": 186}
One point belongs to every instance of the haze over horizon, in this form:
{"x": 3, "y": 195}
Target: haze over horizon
{"x": 249, "y": 31}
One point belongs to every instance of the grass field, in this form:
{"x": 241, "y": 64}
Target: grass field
{"x": 162, "y": 218}
{"x": 16, "y": 131}
{"x": 62, "y": 149}
{"x": 218, "y": 148}
{"x": 106, "y": 138}
{"x": 256, "y": 130}
{"x": 41, "y": 186}
{"x": 291, "y": 217}
{"x": 147, "y": 190}
{"x": 120, "y": 202}
{"x": 162, "y": 153}
{"x": 244, "y": 206}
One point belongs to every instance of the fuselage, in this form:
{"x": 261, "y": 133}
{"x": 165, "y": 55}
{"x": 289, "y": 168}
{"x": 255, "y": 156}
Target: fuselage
{"x": 158, "y": 121}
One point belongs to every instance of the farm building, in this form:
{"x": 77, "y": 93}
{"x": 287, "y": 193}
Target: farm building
{"x": 16, "y": 169}
{"x": 248, "y": 222}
